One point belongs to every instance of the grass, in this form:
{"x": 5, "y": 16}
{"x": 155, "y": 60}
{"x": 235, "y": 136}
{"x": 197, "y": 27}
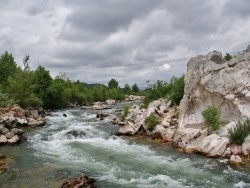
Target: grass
{"x": 151, "y": 121}
{"x": 238, "y": 134}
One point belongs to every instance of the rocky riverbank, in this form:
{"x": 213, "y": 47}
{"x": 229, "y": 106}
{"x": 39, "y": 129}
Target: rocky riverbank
{"x": 210, "y": 81}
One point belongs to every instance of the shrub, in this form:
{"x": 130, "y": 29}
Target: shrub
{"x": 239, "y": 133}
{"x": 5, "y": 100}
{"x": 125, "y": 111}
{"x": 151, "y": 121}
{"x": 212, "y": 118}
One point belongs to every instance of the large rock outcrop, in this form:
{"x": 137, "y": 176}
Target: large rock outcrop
{"x": 210, "y": 80}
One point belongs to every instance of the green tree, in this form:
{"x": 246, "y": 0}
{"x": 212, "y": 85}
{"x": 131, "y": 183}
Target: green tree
{"x": 228, "y": 57}
{"x": 113, "y": 83}
{"x": 8, "y": 68}
{"x": 135, "y": 88}
{"x": 127, "y": 89}
{"x": 21, "y": 89}
{"x": 42, "y": 80}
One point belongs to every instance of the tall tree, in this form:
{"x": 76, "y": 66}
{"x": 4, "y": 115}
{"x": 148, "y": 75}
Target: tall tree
{"x": 42, "y": 80}
{"x": 135, "y": 88}
{"x": 20, "y": 87}
{"x": 8, "y": 68}
{"x": 113, "y": 83}
{"x": 127, "y": 89}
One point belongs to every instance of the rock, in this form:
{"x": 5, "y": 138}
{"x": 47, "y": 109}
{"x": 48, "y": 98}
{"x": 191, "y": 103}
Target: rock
{"x": 130, "y": 129}
{"x": 19, "y": 112}
{"x": 64, "y": 115}
{"x": 100, "y": 106}
{"x": 102, "y": 115}
{"x": 186, "y": 135}
{"x": 3, "y": 139}
{"x": 36, "y": 123}
{"x": 21, "y": 122}
{"x": 210, "y": 80}
{"x": 165, "y": 133}
{"x": 75, "y": 134}
{"x": 246, "y": 146}
{"x": 34, "y": 113}
{"x": 110, "y": 102}
{"x": 4, "y": 131}
{"x": 236, "y": 160}
{"x": 13, "y": 140}
{"x": 9, "y": 135}
{"x": 17, "y": 131}
{"x": 213, "y": 145}
{"x": 134, "y": 98}
{"x": 80, "y": 182}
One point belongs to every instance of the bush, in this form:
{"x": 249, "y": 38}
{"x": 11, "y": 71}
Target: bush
{"x": 239, "y": 133}
{"x": 5, "y": 100}
{"x": 151, "y": 121}
{"x": 125, "y": 111}
{"x": 212, "y": 118}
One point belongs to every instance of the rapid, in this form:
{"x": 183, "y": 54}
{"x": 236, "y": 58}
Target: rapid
{"x": 50, "y": 156}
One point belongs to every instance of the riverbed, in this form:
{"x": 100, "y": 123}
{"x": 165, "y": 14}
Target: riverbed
{"x": 49, "y": 157}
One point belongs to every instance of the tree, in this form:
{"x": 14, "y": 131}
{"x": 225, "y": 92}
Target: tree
{"x": 42, "y": 80}
{"x": 228, "y": 57}
{"x": 135, "y": 88}
{"x": 8, "y": 68}
{"x": 113, "y": 83}
{"x": 127, "y": 89}
{"x": 211, "y": 117}
{"x": 20, "y": 87}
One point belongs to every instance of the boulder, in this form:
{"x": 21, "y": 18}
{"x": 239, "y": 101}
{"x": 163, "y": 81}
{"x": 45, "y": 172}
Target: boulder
{"x": 165, "y": 133}
{"x": 110, "y": 102}
{"x": 19, "y": 112}
{"x": 100, "y": 106}
{"x": 13, "y": 140}
{"x": 34, "y": 113}
{"x": 21, "y": 122}
{"x": 213, "y": 145}
{"x": 186, "y": 136}
{"x": 80, "y": 182}
{"x": 130, "y": 129}
{"x": 3, "y": 139}
{"x": 210, "y": 80}
{"x": 17, "y": 131}
{"x": 75, "y": 134}
{"x": 9, "y": 135}
{"x": 236, "y": 160}
{"x": 246, "y": 146}
{"x": 36, "y": 123}
{"x": 4, "y": 130}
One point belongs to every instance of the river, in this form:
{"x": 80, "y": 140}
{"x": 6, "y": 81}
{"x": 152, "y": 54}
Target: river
{"x": 49, "y": 157}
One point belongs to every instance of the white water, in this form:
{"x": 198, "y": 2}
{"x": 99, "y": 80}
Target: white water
{"x": 125, "y": 162}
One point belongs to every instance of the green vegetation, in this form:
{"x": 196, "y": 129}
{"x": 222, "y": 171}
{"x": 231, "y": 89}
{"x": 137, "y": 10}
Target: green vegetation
{"x": 125, "y": 111}
{"x": 173, "y": 91}
{"x": 36, "y": 88}
{"x": 212, "y": 118}
{"x": 239, "y": 133}
{"x": 135, "y": 88}
{"x": 151, "y": 121}
{"x": 228, "y": 57}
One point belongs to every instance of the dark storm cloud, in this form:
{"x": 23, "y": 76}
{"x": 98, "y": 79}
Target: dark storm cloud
{"x": 95, "y": 40}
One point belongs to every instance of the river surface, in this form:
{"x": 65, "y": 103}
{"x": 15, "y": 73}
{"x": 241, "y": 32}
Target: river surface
{"x": 49, "y": 157}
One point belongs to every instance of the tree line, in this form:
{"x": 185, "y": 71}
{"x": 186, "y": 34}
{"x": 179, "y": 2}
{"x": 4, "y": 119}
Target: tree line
{"x": 37, "y": 88}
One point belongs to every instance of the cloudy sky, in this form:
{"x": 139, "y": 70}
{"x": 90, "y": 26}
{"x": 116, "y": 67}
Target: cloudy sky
{"x": 129, "y": 40}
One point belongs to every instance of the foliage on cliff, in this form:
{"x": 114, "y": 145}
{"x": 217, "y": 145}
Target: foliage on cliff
{"x": 239, "y": 133}
{"x": 211, "y": 117}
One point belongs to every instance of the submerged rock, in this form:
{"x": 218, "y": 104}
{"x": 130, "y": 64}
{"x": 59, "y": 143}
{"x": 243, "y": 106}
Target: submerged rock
{"x": 75, "y": 134}
{"x": 80, "y": 182}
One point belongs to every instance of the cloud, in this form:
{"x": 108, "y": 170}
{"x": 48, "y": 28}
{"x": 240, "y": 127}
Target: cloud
{"x": 94, "y": 41}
